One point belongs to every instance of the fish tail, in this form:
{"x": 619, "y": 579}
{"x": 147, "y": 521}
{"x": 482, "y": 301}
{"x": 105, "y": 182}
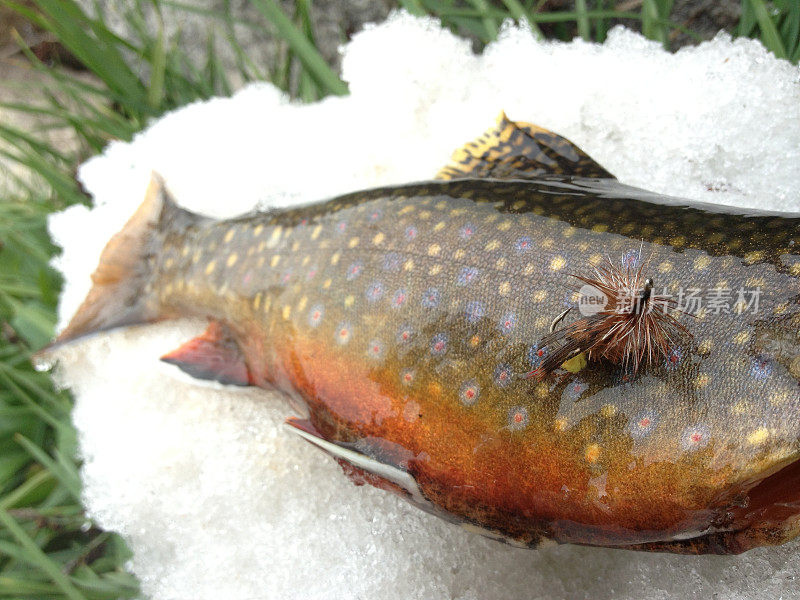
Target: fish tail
{"x": 119, "y": 295}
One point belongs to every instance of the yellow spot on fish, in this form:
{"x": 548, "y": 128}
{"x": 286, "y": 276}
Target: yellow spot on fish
{"x": 701, "y": 262}
{"x": 518, "y": 205}
{"x": 569, "y": 232}
{"x": 595, "y": 259}
{"x": 459, "y": 254}
{"x": 501, "y": 263}
{"x": 608, "y": 411}
{"x": 302, "y": 304}
{"x": 678, "y": 240}
{"x": 232, "y": 259}
{"x": 504, "y": 226}
{"x": 257, "y": 230}
{"x": 795, "y": 269}
{"x": 740, "y": 407}
{"x": 474, "y": 340}
{"x": 424, "y": 214}
{"x": 287, "y": 312}
{"x": 229, "y": 235}
{"x": 210, "y": 267}
{"x": 758, "y": 436}
{"x": 753, "y": 257}
{"x": 560, "y": 424}
{"x": 439, "y": 226}
{"x": 504, "y": 289}
{"x": 457, "y": 212}
{"x": 185, "y": 251}
{"x": 257, "y": 301}
{"x": 493, "y": 245}
{"x": 441, "y": 205}
{"x": 267, "y": 303}
{"x": 665, "y": 267}
{"x": 275, "y": 237}
{"x": 275, "y": 260}
{"x": 348, "y": 302}
{"x": 702, "y": 380}
{"x": 539, "y": 295}
{"x": 435, "y": 269}
{"x": 794, "y": 367}
{"x": 705, "y": 346}
{"x": 378, "y": 239}
{"x": 548, "y": 243}
{"x": 434, "y": 249}
{"x": 261, "y": 246}
{"x": 779, "y": 398}
{"x": 295, "y": 246}
{"x": 529, "y": 269}
{"x": 326, "y": 284}
{"x": 592, "y": 453}
{"x": 600, "y": 228}
{"x": 408, "y": 265}
{"x": 316, "y": 231}
{"x": 557, "y": 263}
{"x": 168, "y": 263}
{"x": 352, "y": 243}
{"x": 741, "y": 337}
{"x": 306, "y": 260}
{"x": 406, "y": 209}
{"x": 335, "y": 257}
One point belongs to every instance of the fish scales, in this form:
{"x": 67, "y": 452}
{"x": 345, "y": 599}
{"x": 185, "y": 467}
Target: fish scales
{"x": 403, "y": 322}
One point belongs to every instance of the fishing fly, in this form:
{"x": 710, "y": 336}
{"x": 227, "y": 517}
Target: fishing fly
{"x": 630, "y": 325}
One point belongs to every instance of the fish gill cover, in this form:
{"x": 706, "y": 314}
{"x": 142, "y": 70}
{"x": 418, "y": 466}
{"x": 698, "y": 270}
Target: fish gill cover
{"x": 213, "y": 497}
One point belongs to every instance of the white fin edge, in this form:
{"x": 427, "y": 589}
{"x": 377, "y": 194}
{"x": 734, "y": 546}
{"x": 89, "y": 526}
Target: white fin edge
{"x": 362, "y": 461}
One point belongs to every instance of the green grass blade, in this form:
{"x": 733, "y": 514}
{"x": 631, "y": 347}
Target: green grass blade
{"x": 39, "y": 558}
{"x": 769, "y": 33}
{"x": 520, "y": 14}
{"x": 584, "y": 30}
{"x": 68, "y": 477}
{"x": 304, "y": 50}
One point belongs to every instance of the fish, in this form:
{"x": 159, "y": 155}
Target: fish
{"x": 403, "y": 323}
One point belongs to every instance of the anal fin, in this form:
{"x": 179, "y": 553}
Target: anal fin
{"x": 215, "y": 355}
{"x": 516, "y": 150}
{"x": 362, "y": 468}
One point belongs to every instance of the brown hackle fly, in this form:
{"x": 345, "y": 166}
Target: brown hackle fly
{"x": 632, "y": 328}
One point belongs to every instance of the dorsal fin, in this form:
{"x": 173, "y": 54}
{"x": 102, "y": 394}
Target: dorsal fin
{"x": 511, "y": 150}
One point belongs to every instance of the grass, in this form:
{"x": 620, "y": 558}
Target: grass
{"x": 48, "y": 547}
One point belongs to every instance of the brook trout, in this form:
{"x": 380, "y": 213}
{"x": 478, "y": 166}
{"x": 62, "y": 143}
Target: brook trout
{"x": 405, "y": 325}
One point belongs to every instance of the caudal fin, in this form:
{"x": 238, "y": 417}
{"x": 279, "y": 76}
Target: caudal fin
{"x": 117, "y": 297}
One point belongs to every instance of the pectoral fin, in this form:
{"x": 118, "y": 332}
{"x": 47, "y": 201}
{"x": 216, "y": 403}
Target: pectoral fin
{"x": 512, "y": 150}
{"x": 214, "y": 355}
